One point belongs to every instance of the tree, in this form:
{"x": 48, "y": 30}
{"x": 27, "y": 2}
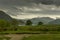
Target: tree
{"x": 40, "y": 23}
{"x": 4, "y": 23}
{"x": 28, "y": 22}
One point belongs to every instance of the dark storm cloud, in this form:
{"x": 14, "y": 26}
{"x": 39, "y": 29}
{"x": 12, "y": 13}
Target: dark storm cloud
{"x": 28, "y": 2}
{"x": 15, "y": 2}
{"x": 48, "y": 2}
{"x": 10, "y": 6}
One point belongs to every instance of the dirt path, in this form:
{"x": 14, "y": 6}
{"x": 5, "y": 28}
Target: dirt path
{"x": 17, "y": 36}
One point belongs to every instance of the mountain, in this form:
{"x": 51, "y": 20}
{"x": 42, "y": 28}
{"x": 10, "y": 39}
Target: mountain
{"x": 45, "y": 20}
{"x": 57, "y": 21}
{"x": 5, "y": 16}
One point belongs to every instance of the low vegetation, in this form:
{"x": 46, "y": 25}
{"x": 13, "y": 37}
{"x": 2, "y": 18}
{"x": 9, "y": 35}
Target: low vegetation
{"x": 43, "y": 37}
{"x": 32, "y": 29}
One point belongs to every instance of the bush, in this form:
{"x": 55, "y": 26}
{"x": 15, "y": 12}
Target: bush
{"x": 40, "y": 23}
{"x": 28, "y": 22}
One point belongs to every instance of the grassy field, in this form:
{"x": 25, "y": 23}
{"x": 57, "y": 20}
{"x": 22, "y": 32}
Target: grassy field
{"x": 43, "y": 37}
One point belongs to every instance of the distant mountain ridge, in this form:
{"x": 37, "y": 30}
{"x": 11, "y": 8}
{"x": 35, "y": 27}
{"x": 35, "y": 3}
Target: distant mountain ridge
{"x": 57, "y": 21}
{"x": 45, "y": 20}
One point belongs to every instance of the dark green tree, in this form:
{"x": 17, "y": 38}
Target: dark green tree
{"x": 40, "y": 23}
{"x": 28, "y": 22}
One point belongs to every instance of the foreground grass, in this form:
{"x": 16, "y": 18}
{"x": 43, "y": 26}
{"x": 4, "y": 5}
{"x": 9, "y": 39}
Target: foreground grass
{"x": 4, "y": 38}
{"x": 43, "y": 37}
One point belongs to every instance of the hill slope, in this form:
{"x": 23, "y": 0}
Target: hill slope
{"x": 5, "y": 16}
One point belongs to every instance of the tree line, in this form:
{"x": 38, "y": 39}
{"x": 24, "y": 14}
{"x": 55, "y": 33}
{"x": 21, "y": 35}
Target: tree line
{"x": 14, "y": 22}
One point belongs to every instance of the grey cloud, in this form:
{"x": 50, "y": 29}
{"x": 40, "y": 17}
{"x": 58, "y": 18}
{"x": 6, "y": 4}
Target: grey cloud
{"x": 46, "y": 12}
{"x": 29, "y": 2}
{"x": 12, "y": 10}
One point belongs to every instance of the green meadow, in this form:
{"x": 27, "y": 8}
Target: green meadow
{"x": 41, "y": 29}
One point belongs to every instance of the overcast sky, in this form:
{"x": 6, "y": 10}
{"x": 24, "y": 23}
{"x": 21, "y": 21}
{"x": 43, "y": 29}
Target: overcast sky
{"x": 31, "y": 8}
